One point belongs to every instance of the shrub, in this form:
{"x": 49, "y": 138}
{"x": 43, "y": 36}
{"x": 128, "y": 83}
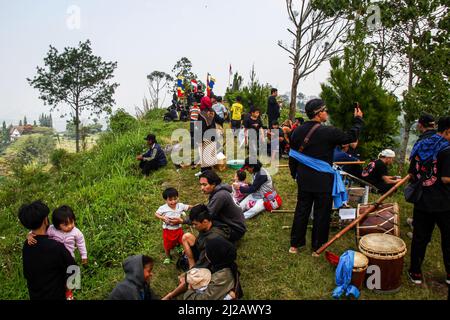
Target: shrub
{"x": 121, "y": 121}
{"x": 59, "y": 158}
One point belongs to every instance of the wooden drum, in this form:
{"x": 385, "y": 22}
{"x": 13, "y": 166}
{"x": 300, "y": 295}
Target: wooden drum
{"x": 384, "y": 220}
{"x": 360, "y": 264}
{"x": 387, "y": 252}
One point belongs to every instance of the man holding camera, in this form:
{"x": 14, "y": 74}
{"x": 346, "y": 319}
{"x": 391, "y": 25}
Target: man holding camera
{"x": 317, "y": 142}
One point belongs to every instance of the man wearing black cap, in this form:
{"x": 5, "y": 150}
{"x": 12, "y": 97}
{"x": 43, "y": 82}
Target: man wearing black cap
{"x": 154, "y": 158}
{"x": 425, "y": 125}
{"x": 315, "y": 187}
{"x": 273, "y": 107}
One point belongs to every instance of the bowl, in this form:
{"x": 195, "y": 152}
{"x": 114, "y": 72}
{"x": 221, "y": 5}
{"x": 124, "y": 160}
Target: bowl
{"x": 236, "y": 164}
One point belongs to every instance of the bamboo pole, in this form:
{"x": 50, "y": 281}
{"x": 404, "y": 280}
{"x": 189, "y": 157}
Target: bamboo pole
{"x": 372, "y": 208}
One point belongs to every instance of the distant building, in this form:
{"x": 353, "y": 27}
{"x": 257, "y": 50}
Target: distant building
{"x": 17, "y": 131}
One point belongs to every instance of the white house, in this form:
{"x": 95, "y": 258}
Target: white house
{"x": 15, "y": 133}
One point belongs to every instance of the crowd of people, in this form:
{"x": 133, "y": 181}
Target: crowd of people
{"x": 210, "y": 270}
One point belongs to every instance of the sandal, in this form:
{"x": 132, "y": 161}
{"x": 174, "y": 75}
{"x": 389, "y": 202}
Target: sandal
{"x": 293, "y": 250}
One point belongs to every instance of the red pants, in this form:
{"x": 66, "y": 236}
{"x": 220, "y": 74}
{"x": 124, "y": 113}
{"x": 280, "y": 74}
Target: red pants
{"x": 172, "y": 238}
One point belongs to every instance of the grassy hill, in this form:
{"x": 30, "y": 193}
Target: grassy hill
{"x": 115, "y": 208}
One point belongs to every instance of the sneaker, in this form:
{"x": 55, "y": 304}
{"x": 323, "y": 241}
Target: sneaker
{"x": 415, "y": 278}
{"x": 198, "y": 173}
{"x": 167, "y": 261}
{"x": 293, "y": 250}
{"x": 447, "y": 281}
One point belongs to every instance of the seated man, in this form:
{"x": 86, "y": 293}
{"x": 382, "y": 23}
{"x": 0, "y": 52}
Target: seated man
{"x": 154, "y": 158}
{"x": 194, "y": 247}
{"x": 376, "y": 171}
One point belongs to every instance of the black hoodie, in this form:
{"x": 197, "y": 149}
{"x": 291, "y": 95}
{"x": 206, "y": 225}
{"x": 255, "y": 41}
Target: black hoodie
{"x": 223, "y": 209}
{"x": 134, "y": 286}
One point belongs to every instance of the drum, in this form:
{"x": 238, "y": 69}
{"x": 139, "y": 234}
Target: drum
{"x": 360, "y": 264}
{"x": 387, "y": 252}
{"x": 384, "y": 220}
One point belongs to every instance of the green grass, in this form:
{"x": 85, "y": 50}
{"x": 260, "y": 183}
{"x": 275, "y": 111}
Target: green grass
{"x": 115, "y": 208}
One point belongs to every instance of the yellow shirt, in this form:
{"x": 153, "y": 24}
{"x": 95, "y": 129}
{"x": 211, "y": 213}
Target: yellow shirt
{"x": 236, "y": 111}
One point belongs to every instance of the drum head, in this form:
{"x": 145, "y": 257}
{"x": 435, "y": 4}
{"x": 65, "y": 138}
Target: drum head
{"x": 360, "y": 260}
{"x": 382, "y": 246}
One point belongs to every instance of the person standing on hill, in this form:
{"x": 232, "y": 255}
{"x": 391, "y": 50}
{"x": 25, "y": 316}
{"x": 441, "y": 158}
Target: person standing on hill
{"x": 236, "y": 115}
{"x": 273, "y": 107}
{"x": 310, "y": 163}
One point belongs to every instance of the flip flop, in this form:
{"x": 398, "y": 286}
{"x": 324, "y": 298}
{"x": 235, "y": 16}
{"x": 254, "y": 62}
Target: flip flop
{"x": 293, "y": 250}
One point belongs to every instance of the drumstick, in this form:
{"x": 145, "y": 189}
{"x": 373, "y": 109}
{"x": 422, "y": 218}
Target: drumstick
{"x": 372, "y": 208}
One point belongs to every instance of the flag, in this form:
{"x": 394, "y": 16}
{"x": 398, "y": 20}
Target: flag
{"x": 180, "y": 86}
{"x": 194, "y": 85}
{"x": 210, "y": 81}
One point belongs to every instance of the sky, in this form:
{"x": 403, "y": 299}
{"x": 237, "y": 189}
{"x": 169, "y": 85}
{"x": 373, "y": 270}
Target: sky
{"x": 143, "y": 36}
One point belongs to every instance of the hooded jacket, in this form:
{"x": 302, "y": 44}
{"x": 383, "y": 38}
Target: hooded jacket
{"x": 134, "y": 286}
{"x": 223, "y": 209}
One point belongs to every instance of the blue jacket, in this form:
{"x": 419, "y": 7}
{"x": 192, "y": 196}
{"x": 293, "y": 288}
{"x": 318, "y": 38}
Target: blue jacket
{"x": 155, "y": 152}
{"x": 344, "y": 276}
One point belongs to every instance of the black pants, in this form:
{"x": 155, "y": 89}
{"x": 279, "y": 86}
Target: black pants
{"x": 148, "y": 166}
{"x": 423, "y": 223}
{"x": 321, "y": 218}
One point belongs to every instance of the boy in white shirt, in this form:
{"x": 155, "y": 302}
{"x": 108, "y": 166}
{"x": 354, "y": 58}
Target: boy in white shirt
{"x": 172, "y": 233}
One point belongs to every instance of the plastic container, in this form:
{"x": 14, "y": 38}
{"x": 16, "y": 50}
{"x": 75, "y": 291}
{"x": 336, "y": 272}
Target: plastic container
{"x": 236, "y": 164}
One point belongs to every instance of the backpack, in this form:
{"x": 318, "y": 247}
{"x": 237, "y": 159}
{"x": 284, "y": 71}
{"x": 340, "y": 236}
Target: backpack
{"x": 272, "y": 201}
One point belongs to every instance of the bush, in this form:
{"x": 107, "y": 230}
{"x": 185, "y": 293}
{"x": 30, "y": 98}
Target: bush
{"x": 121, "y": 121}
{"x": 59, "y": 158}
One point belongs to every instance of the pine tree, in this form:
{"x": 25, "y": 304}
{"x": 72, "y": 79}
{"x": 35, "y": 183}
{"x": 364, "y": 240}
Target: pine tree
{"x": 20, "y": 123}
{"x": 34, "y": 123}
{"x": 25, "y": 120}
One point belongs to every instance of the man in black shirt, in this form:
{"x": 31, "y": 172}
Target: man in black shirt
{"x": 425, "y": 125}
{"x": 376, "y": 171}
{"x": 46, "y": 263}
{"x": 430, "y": 163}
{"x": 273, "y": 108}
{"x": 253, "y": 124}
{"x": 315, "y": 187}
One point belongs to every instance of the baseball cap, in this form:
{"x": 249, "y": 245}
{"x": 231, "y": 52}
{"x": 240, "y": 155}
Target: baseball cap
{"x": 427, "y": 120}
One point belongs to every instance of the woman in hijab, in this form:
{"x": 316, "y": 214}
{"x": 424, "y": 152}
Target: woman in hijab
{"x": 222, "y": 255}
{"x": 208, "y": 152}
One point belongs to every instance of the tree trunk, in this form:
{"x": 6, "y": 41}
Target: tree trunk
{"x": 405, "y": 140}
{"x": 77, "y": 130}
{"x": 293, "y": 104}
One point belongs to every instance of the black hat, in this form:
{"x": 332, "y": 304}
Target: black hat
{"x": 426, "y": 120}
{"x": 150, "y": 136}
{"x": 312, "y": 106}
{"x": 219, "y": 99}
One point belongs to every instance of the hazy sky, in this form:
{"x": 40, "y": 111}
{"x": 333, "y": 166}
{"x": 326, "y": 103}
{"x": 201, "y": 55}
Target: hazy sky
{"x": 143, "y": 36}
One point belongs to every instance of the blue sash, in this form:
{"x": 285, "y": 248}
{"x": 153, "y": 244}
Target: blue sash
{"x": 339, "y": 192}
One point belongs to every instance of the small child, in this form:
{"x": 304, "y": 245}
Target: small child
{"x": 239, "y": 178}
{"x": 172, "y": 234}
{"x": 64, "y": 231}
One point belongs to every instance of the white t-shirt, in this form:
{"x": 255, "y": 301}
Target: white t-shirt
{"x": 167, "y": 211}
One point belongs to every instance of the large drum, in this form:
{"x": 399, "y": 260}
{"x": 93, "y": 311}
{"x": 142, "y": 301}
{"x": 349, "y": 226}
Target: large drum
{"x": 387, "y": 252}
{"x": 384, "y": 220}
{"x": 360, "y": 264}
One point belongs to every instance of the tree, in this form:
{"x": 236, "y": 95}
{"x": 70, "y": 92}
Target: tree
{"x": 34, "y": 123}
{"x": 157, "y": 81}
{"x": 5, "y": 134}
{"x": 76, "y": 78}
{"x": 352, "y": 79}
{"x": 315, "y": 40}
{"x": 20, "y": 123}
{"x": 25, "y": 121}
{"x": 183, "y": 68}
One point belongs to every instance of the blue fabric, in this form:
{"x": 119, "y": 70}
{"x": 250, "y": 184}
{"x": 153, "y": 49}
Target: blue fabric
{"x": 429, "y": 147}
{"x": 160, "y": 157}
{"x": 339, "y": 192}
{"x": 344, "y": 276}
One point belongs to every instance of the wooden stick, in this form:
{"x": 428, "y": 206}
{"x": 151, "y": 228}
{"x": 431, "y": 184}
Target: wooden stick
{"x": 283, "y": 211}
{"x": 336, "y": 163}
{"x": 370, "y": 209}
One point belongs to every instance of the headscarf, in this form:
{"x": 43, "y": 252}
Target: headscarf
{"x": 205, "y": 103}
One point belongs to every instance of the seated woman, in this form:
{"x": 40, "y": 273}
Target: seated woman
{"x": 253, "y": 203}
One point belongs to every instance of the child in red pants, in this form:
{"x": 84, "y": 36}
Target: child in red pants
{"x": 172, "y": 234}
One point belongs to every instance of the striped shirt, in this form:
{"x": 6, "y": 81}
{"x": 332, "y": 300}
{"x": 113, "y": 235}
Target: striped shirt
{"x": 194, "y": 111}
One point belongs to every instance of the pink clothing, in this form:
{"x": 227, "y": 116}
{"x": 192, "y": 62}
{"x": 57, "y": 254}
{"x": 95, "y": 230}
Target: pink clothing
{"x": 70, "y": 240}
{"x": 237, "y": 194}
